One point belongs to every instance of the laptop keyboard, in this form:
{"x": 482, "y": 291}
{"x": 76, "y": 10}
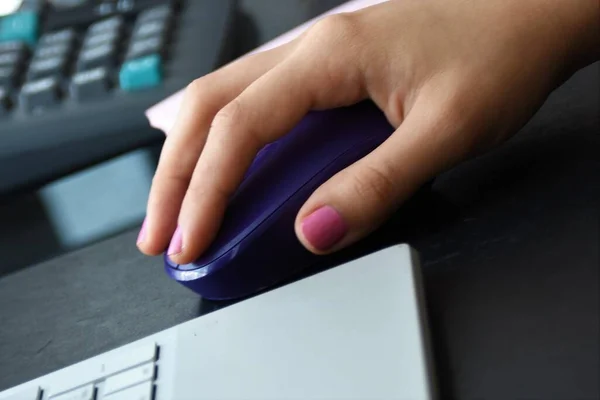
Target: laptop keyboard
{"x": 130, "y": 375}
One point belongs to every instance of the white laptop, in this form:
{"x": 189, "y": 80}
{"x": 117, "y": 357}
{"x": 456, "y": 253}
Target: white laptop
{"x": 356, "y": 331}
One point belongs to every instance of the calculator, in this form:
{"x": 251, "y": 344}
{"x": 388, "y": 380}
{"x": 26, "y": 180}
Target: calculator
{"x": 77, "y": 75}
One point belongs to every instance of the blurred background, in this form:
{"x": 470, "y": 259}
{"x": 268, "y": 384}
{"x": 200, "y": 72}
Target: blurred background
{"x": 76, "y": 153}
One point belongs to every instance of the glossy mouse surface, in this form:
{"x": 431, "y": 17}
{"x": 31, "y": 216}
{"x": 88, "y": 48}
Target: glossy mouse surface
{"x": 256, "y": 246}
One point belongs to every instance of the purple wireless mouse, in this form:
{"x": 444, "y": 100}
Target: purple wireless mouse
{"x": 256, "y": 246}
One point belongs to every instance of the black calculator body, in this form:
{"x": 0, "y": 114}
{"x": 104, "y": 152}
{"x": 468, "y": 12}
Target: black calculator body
{"x": 77, "y": 75}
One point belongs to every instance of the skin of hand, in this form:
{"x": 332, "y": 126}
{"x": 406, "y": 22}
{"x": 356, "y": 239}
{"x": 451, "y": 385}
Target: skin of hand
{"x": 454, "y": 77}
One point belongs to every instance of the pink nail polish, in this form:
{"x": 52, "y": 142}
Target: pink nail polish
{"x": 142, "y": 234}
{"x": 324, "y": 228}
{"x": 176, "y": 243}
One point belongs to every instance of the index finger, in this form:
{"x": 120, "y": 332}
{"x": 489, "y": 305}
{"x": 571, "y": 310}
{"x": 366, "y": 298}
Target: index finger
{"x": 183, "y": 145}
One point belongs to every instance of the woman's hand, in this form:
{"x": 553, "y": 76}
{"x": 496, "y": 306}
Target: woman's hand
{"x": 454, "y": 77}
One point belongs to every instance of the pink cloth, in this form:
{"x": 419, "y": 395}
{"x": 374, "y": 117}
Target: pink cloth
{"x": 162, "y": 115}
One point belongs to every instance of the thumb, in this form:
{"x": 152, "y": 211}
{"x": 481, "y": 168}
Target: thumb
{"x": 358, "y": 199}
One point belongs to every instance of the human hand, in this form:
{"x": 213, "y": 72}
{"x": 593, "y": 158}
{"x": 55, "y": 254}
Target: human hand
{"x": 455, "y": 78}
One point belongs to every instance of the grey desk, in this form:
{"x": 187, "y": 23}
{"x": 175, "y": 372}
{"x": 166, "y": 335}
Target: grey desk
{"x": 509, "y": 243}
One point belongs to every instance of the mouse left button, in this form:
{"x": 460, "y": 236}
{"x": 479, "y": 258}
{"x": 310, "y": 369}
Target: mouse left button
{"x": 32, "y": 393}
{"x": 170, "y": 263}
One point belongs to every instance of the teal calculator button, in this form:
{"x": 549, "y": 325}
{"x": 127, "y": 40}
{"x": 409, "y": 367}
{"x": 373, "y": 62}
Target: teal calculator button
{"x": 21, "y": 26}
{"x": 141, "y": 73}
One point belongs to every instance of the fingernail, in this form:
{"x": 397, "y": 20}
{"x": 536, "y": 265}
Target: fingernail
{"x": 324, "y": 228}
{"x": 176, "y": 243}
{"x": 142, "y": 234}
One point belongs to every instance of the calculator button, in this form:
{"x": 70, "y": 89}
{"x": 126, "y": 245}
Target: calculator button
{"x": 15, "y": 56}
{"x": 159, "y": 12}
{"x": 150, "y": 28}
{"x": 84, "y": 393}
{"x": 114, "y": 24}
{"x": 41, "y": 93}
{"x": 100, "y": 38}
{"x": 129, "y": 378}
{"x": 142, "y": 391}
{"x": 99, "y": 56}
{"x": 126, "y": 6}
{"x": 10, "y": 59}
{"x": 107, "y": 7}
{"x": 28, "y": 394}
{"x": 4, "y": 101}
{"x": 60, "y": 50}
{"x": 144, "y": 47}
{"x": 63, "y": 37}
{"x": 90, "y": 84}
{"x": 46, "y": 67}
{"x": 13, "y": 46}
{"x": 141, "y": 73}
{"x": 19, "y": 26}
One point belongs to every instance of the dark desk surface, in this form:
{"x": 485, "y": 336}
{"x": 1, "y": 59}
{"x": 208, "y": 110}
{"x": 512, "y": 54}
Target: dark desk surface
{"x": 509, "y": 244}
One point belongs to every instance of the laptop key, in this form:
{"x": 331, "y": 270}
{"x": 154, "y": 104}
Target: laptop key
{"x": 131, "y": 358}
{"x": 129, "y": 378}
{"x": 142, "y": 391}
{"x": 27, "y": 394}
{"x": 85, "y": 393}
{"x": 92, "y": 370}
